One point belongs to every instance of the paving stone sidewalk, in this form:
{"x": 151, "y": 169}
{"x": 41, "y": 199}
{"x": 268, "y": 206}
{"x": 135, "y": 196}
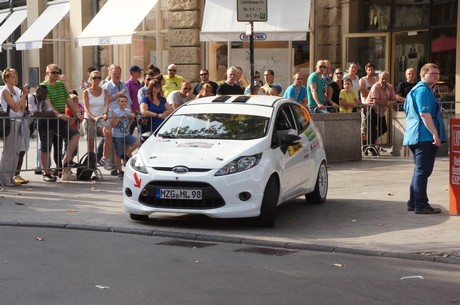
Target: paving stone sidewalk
{"x": 365, "y": 212}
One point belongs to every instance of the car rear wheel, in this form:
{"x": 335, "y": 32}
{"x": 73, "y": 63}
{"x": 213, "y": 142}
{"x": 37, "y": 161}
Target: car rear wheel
{"x": 320, "y": 192}
{"x": 267, "y": 215}
{"x": 139, "y": 217}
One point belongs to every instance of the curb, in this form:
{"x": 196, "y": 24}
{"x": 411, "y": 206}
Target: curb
{"x": 235, "y": 240}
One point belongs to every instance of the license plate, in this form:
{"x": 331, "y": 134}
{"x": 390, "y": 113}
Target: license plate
{"x": 162, "y": 193}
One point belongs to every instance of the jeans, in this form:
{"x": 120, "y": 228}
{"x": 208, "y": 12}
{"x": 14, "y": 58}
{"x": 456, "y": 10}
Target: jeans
{"x": 377, "y": 126}
{"x": 424, "y": 155}
{"x": 316, "y": 109}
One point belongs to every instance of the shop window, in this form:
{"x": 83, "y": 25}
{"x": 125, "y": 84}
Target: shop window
{"x": 150, "y": 42}
{"x": 272, "y": 55}
{"x": 376, "y": 15}
{"x": 411, "y": 14}
{"x": 444, "y": 12}
{"x": 443, "y": 51}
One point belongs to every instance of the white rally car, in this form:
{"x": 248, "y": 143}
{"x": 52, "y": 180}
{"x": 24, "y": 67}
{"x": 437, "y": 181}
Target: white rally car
{"x": 228, "y": 157}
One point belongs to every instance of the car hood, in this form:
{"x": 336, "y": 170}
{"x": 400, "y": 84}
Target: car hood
{"x": 196, "y": 153}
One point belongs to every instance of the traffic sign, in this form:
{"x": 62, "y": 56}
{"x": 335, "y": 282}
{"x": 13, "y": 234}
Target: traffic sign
{"x": 251, "y": 10}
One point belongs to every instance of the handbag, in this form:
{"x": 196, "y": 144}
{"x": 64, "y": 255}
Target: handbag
{"x": 5, "y": 123}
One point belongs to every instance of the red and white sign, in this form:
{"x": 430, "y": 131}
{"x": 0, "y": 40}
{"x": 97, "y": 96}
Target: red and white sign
{"x": 454, "y": 167}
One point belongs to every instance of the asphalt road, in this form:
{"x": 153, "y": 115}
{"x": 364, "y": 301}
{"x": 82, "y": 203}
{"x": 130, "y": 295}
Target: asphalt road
{"x": 55, "y": 266}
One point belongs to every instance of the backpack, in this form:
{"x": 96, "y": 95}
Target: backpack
{"x": 86, "y": 166}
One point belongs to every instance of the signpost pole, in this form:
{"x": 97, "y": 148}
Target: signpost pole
{"x": 250, "y": 11}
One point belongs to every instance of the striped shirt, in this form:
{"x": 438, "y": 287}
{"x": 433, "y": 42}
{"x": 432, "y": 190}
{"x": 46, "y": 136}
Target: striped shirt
{"x": 57, "y": 95}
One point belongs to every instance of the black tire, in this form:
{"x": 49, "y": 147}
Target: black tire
{"x": 320, "y": 193}
{"x": 139, "y": 217}
{"x": 267, "y": 215}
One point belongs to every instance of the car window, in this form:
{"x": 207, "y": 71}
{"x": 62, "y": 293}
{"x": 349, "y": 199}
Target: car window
{"x": 215, "y": 126}
{"x": 283, "y": 123}
{"x": 302, "y": 117}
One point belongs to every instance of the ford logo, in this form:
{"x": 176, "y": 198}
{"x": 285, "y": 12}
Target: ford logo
{"x": 180, "y": 169}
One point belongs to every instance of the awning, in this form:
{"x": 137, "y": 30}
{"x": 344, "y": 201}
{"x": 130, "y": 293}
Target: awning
{"x": 33, "y": 37}
{"x": 115, "y": 22}
{"x": 286, "y": 20}
{"x": 3, "y": 15}
{"x": 11, "y": 24}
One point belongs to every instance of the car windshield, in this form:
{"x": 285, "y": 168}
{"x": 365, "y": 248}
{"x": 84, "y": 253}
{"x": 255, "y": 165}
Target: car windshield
{"x": 215, "y": 126}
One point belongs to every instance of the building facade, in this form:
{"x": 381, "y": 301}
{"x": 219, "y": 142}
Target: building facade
{"x": 77, "y": 34}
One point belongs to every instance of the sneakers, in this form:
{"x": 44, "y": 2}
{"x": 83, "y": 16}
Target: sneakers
{"x": 105, "y": 163}
{"x": 120, "y": 174}
{"x": 67, "y": 176}
{"x": 49, "y": 178}
{"x": 114, "y": 172}
{"x": 20, "y": 180}
{"x": 428, "y": 210}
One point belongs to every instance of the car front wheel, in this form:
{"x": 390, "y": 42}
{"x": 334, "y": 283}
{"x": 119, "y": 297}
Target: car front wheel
{"x": 267, "y": 215}
{"x": 321, "y": 186}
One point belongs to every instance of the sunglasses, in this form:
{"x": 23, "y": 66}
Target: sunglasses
{"x": 322, "y": 67}
{"x": 148, "y": 79}
{"x": 256, "y": 76}
{"x": 96, "y": 78}
{"x": 187, "y": 88}
{"x": 54, "y": 72}
{"x": 339, "y": 73}
{"x": 172, "y": 70}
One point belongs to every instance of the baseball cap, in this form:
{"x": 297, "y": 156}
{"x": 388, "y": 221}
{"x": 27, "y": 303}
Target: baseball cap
{"x": 135, "y": 68}
{"x": 277, "y": 86}
{"x": 73, "y": 92}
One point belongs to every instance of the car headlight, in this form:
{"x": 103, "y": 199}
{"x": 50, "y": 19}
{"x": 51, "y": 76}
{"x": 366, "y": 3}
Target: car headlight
{"x": 137, "y": 164}
{"x": 239, "y": 165}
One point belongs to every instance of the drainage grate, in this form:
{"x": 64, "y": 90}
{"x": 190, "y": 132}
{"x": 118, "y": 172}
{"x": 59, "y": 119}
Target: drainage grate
{"x": 186, "y": 244}
{"x": 266, "y": 251}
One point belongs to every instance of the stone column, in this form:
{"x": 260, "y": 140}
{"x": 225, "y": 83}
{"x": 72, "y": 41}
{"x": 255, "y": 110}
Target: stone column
{"x": 34, "y": 58}
{"x": 328, "y": 30}
{"x": 81, "y": 13}
{"x": 184, "y": 37}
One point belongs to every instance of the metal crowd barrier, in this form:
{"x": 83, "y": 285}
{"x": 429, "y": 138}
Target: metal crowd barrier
{"x": 373, "y": 127}
{"x": 31, "y": 159}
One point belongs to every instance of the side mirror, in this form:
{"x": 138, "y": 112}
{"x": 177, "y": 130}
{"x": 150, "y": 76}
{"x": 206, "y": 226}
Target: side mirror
{"x": 288, "y": 140}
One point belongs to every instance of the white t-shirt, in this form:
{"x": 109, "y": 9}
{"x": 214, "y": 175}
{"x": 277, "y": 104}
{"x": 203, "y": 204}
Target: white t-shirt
{"x": 174, "y": 98}
{"x": 16, "y": 95}
{"x": 96, "y": 104}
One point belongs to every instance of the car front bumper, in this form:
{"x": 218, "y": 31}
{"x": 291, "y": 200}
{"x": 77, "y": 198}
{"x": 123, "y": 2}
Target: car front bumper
{"x": 232, "y": 190}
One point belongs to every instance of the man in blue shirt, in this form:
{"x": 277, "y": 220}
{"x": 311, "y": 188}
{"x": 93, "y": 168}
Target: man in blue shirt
{"x": 425, "y": 132}
{"x": 297, "y": 91}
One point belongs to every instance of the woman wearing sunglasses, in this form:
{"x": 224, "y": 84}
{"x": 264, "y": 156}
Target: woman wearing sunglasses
{"x": 96, "y": 123}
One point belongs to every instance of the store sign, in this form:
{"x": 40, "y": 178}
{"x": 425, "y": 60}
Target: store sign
{"x": 454, "y": 166}
{"x": 251, "y": 10}
{"x": 257, "y": 36}
{"x": 104, "y": 40}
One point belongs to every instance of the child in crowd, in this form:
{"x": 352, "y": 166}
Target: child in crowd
{"x": 124, "y": 143}
{"x": 275, "y": 89}
{"x": 348, "y": 99}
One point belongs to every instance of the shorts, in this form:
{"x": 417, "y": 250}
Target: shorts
{"x": 121, "y": 143}
{"x": 46, "y": 132}
{"x": 92, "y": 130}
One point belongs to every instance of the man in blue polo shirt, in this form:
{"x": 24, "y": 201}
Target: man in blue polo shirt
{"x": 425, "y": 132}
